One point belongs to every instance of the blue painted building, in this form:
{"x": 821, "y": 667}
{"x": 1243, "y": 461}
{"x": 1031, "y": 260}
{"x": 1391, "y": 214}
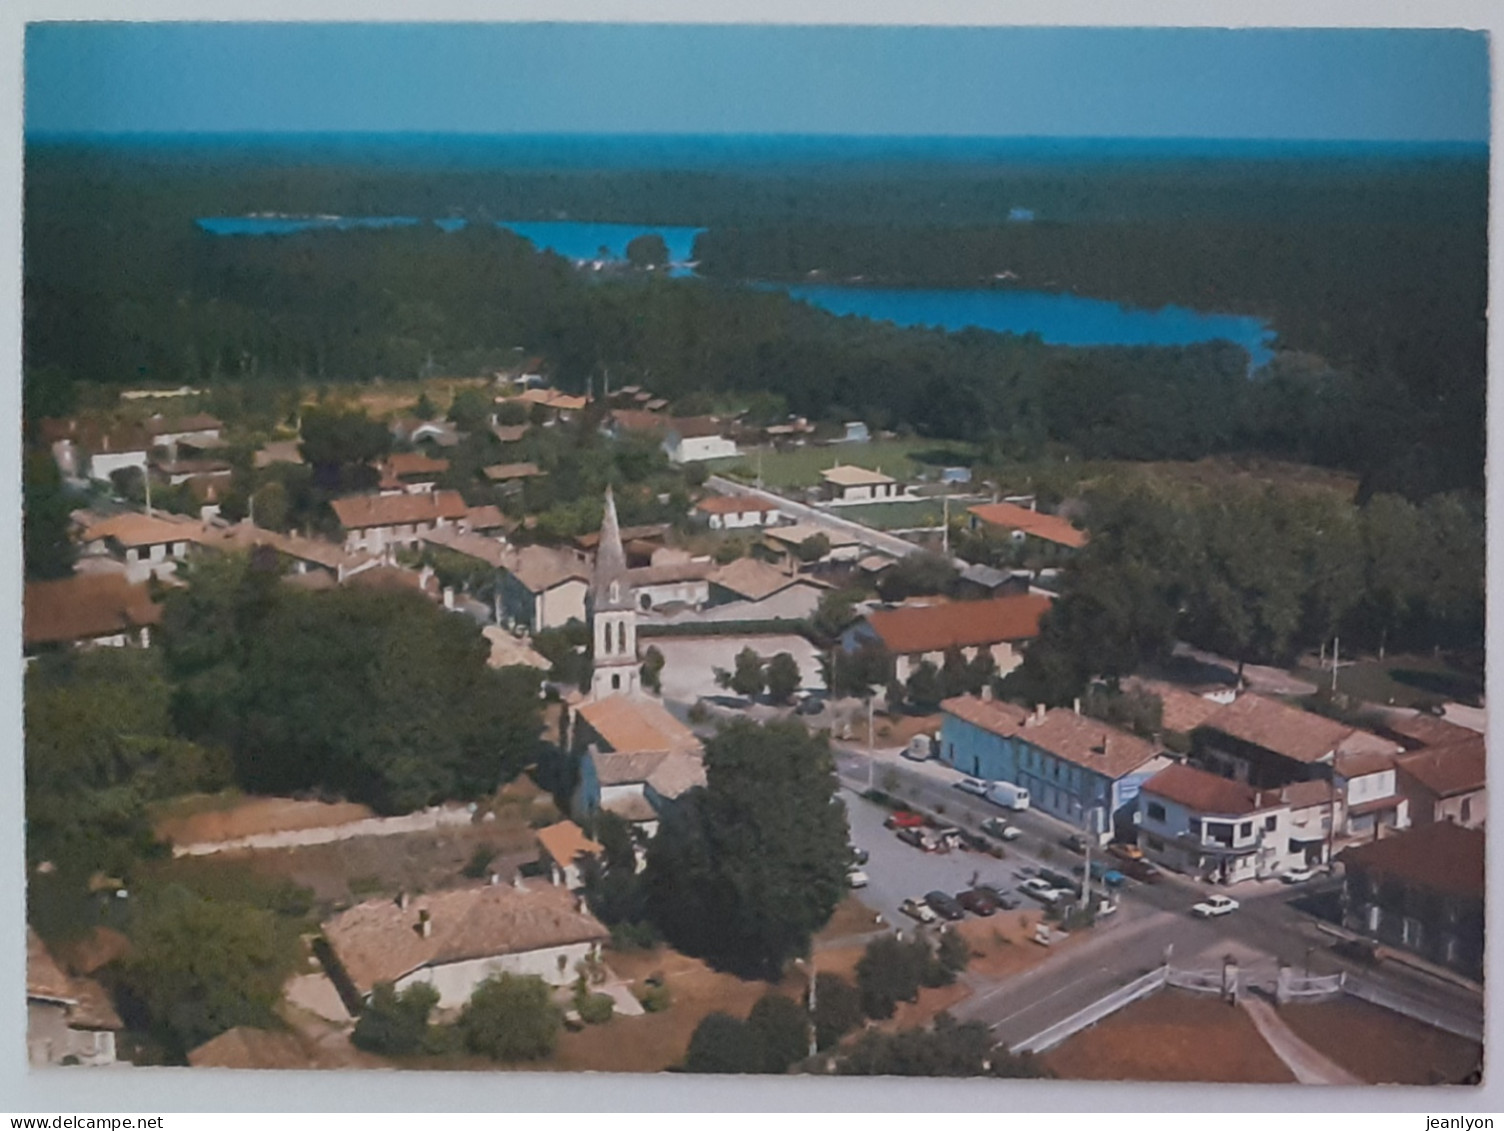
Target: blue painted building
{"x": 1076, "y": 768}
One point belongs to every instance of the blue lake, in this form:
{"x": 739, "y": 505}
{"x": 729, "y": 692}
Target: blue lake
{"x": 1059, "y": 319}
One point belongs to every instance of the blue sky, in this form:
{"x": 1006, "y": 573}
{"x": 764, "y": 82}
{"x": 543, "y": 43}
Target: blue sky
{"x": 1363, "y": 84}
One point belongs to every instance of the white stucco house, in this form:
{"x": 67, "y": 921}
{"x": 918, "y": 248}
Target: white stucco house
{"x": 847, "y": 484}
{"x": 1213, "y": 828}
{"x": 737, "y": 512}
{"x": 454, "y": 940}
{"x": 147, "y": 545}
{"x": 68, "y": 1020}
{"x": 693, "y": 439}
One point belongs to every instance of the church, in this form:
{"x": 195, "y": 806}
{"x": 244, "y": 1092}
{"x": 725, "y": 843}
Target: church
{"x": 634, "y": 757}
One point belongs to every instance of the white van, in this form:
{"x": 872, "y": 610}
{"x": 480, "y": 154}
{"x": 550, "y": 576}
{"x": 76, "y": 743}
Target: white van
{"x": 1008, "y": 795}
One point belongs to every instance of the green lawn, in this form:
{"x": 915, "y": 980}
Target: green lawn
{"x": 1404, "y": 681}
{"x": 801, "y": 467}
{"x": 907, "y": 514}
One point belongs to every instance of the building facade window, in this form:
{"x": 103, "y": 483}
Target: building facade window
{"x": 1156, "y": 811}
{"x": 1269, "y": 823}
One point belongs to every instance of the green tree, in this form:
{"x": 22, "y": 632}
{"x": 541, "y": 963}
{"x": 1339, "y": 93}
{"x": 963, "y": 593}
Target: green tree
{"x": 512, "y": 412}
{"x": 423, "y": 408}
{"x": 835, "y": 613}
{"x": 838, "y": 1009}
{"x": 955, "y": 674}
{"x": 856, "y": 673}
{"x": 271, "y": 506}
{"x": 917, "y": 575}
{"x": 748, "y": 679}
{"x": 783, "y": 677}
{"x": 890, "y": 971}
{"x": 470, "y": 409}
{"x": 952, "y": 955}
{"x": 511, "y": 1017}
{"x": 45, "y": 507}
{"x": 201, "y": 966}
{"x": 949, "y": 1049}
{"x": 924, "y": 688}
{"x": 335, "y": 440}
{"x": 395, "y": 1024}
{"x": 723, "y": 1045}
{"x": 748, "y": 869}
{"x": 782, "y": 1026}
{"x": 813, "y": 548}
{"x": 647, "y": 250}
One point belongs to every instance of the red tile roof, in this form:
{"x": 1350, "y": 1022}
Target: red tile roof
{"x": 1425, "y": 730}
{"x": 963, "y": 624}
{"x": 1049, "y": 527}
{"x": 1205, "y": 792}
{"x": 1298, "y": 735}
{"x": 995, "y": 715}
{"x": 564, "y": 840}
{"x": 633, "y": 726}
{"x": 734, "y": 504}
{"x": 1089, "y": 743}
{"x": 501, "y": 472}
{"x": 132, "y": 529}
{"x": 358, "y": 512}
{"x": 1183, "y": 711}
{"x": 1457, "y": 767}
{"x": 379, "y": 941}
{"x": 85, "y": 606}
{"x": 403, "y": 464}
{"x": 1440, "y": 857}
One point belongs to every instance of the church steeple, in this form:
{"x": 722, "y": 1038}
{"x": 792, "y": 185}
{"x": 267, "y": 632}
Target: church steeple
{"x": 613, "y": 615}
{"x": 610, "y": 589}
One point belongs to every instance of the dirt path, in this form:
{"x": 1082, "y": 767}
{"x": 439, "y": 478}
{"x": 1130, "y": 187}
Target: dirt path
{"x": 1308, "y": 1065}
{"x": 423, "y": 821}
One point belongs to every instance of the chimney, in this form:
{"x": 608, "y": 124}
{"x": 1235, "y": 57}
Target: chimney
{"x": 986, "y": 693}
{"x": 402, "y": 900}
{"x": 425, "y": 924}
{"x": 517, "y": 881}
{"x": 493, "y": 879}
{"x": 449, "y": 596}
{"x": 1039, "y": 712}
{"x": 1076, "y": 706}
{"x": 1105, "y": 737}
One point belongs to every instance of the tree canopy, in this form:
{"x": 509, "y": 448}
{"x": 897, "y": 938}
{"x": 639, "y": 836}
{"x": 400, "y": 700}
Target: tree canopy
{"x": 511, "y": 1017}
{"x": 753, "y": 865}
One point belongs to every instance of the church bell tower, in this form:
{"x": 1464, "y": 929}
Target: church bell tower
{"x": 613, "y": 615}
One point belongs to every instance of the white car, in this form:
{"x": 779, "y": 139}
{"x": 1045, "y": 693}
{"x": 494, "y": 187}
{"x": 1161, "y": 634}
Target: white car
{"x": 856, "y": 878}
{"x": 1214, "y": 906}
{"x": 974, "y": 787}
{"x": 996, "y": 826}
{"x": 1035, "y": 888}
{"x": 1297, "y": 875}
{"x": 918, "y": 909}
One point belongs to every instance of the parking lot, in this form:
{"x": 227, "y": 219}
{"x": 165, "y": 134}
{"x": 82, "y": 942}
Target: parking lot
{"x": 897, "y": 871}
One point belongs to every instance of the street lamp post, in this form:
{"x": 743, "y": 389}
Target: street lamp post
{"x": 809, "y": 968}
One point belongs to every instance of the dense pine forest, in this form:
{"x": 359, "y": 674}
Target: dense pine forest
{"x": 1370, "y": 266}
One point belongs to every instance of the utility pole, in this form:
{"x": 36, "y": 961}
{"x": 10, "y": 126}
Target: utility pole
{"x": 1336, "y": 649}
{"x": 813, "y": 1043}
{"x": 945, "y": 529}
{"x": 1091, "y": 822}
{"x": 146, "y": 479}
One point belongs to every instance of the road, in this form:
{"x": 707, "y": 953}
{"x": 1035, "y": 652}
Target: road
{"x": 1153, "y": 921}
{"x": 874, "y": 539}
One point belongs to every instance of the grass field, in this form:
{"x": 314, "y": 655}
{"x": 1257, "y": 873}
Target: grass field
{"x": 801, "y": 467}
{"x": 1403, "y": 681}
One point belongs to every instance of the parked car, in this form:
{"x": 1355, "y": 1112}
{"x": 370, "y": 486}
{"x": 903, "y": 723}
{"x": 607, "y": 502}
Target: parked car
{"x": 944, "y": 906}
{"x": 810, "y": 705}
{"x": 996, "y": 826}
{"x": 1005, "y": 900}
{"x": 903, "y": 819}
{"x": 1103, "y": 872}
{"x": 978, "y": 901}
{"x": 1075, "y": 842}
{"x": 1213, "y": 906}
{"x": 1298, "y": 875}
{"x": 1141, "y": 870}
{"x": 860, "y": 855}
{"x": 973, "y": 786}
{"x": 1035, "y": 888}
{"x": 856, "y": 878}
{"x": 917, "y": 909}
{"x": 1066, "y": 885}
{"x": 919, "y": 838}
{"x": 1126, "y": 851}
{"x": 949, "y": 838}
